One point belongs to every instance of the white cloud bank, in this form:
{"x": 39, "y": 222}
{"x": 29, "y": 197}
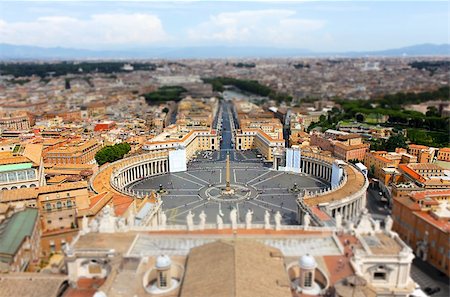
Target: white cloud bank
{"x": 98, "y": 31}
{"x": 271, "y": 27}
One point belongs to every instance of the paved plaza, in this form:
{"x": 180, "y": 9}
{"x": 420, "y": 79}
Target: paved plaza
{"x": 257, "y": 188}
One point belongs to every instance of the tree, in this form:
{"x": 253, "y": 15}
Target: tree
{"x": 359, "y": 117}
{"x": 112, "y": 153}
{"x": 396, "y": 141}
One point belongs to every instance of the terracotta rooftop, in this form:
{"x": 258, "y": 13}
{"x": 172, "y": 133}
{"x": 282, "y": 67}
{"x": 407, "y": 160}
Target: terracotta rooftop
{"x": 441, "y": 224}
{"x": 30, "y": 193}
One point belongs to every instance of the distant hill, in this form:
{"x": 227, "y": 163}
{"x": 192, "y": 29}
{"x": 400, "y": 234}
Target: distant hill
{"x": 20, "y": 52}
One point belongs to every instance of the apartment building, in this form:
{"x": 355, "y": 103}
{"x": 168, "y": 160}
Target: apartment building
{"x": 422, "y": 220}
{"x": 75, "y": 152}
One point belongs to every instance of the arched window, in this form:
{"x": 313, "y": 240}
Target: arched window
{"x": 59, "y": 204}
{"x": 308, "y": 279}
{"x": 162, "y": 279}
{"x": 48, "y": 206}
{"x": 69, "y": 203}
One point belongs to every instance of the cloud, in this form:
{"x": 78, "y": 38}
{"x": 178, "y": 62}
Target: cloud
{"x": 272, "y": 27}
{"x": 99, "y": 30}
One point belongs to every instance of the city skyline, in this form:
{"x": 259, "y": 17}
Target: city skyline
{"x": 320, "y": 26}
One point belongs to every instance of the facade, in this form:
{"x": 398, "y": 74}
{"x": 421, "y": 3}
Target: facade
{"x": 192, "y": 140}
{"x": 16, "y": 121}
{"x": 247, "y": 139}
{"x": 74, "y": 153}
{"x": 444, "y": 154}
{"x": 425, "y": 175}
{"x": 22, "y": 168}
{"x": 19, "y": 240}
{"x": 343, "y": 145}
{"x": 423, "y": 153}
{"x": 422, "y": 220}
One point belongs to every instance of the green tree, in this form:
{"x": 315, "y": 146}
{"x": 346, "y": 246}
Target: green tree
{"x": 396, "y": 141}
{"x": 113, "y": 153}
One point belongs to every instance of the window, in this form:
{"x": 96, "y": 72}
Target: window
{"x": 59, "y": 204}
{"x": 162, "y": 280}
{"x": 308, "y": 279}
{"x": 379, "y": 276}
{"x": 48, "y": 206}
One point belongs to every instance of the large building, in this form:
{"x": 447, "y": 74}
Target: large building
{"x": 17, "y": 120}
{"x": 20, "y": 234}
{"x": 247, "y": 139}
{"x": 343, "y": 145}
{"x": 77, "y": 152}
{"x": 22, "y": 167}
{"x": 257, "y": 129}
{"x": 422, "y": 219}
{"x": 191, "y": 140}
{"x": 244, "y": 262}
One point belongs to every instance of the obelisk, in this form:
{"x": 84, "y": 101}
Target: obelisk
{"x": 228, "y": 188}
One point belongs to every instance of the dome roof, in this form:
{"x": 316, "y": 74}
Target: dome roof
{"x": 307, "y": 262}
{"x": 99, "y": 294}
{"x": 163, "y": 261}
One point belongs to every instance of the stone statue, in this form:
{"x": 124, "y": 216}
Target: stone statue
{"x": 121, "y": 226}
{"x": 338, "y": 218}
{"x": 130, "y": 218}
{"x": 306, "y": 220}
{"x": 107, "y": 222}
{"x": 219, "y": 221}
{"x": 163, "y": 220}
{"x": 388, "y": 222}
{"x": 85, "y": 225}
{"x": 376, "y": 226}
{"x": 233, "y": 218}
{"x": 93, "y": 226}
{"x": 278, "y": 218}
{"x": 190, "y": 220}
{"x": 248, "y": 219}
{"x": 202, "y": 217}
{"x": 266, "y": 219}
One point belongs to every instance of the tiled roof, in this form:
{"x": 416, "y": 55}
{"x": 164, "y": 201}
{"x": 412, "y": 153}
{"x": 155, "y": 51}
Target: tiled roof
{"x": 15, "y": 229}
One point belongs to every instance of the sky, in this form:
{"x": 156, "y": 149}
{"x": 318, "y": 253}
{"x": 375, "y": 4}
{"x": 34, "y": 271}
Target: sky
{"x": 321, "y": 26}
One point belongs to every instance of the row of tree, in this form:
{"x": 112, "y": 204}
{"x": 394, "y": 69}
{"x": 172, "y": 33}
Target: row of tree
{"x": 250, "y": 86}
{"x": 112, "y": 153}
{"x": 64, "y": 68}
{"x": 165, "y": 93}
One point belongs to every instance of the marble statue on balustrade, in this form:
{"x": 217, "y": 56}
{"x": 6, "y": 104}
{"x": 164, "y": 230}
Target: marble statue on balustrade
{"x": 233, "y": 218}
{"x": 85, "y": 225}
{"x": 267, "y": 220}
{"x": 219, "y": 222}
{"x": 162, "y": 220}
{"x": 248, "y": 219}
{"x": 130, "y": 218}
{"x": 121, "y": 224}
{"x": 306, "y": 221}
{"x": 93, "y": 225}
{"x": 107, "y": 223}
{"x": 202, "y": 217}
{"x": 388, "y": 222}
{"x": 277, "y": 219}
{"x": 190, "y": 220}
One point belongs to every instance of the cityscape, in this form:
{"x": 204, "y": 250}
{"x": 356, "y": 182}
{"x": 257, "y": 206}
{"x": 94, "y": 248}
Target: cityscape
{"x": 245, "y": 152}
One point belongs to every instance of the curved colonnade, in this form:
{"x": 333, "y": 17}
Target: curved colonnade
{"x": 117, "y": 176}
{"x": 348, "y": 197}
